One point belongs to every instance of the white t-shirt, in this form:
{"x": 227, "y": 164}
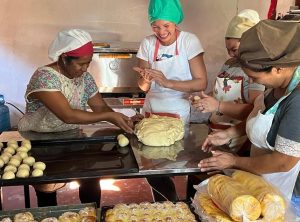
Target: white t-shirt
{"x": 188, "y": 45}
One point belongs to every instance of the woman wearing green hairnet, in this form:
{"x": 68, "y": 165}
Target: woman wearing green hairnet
{"x": 171, "y": 67}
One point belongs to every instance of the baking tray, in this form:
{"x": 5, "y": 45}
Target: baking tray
{"x": 89, "y": 133}
{"x": 53, "y": 211}
{"x": 189, "y": 203}
{"x": 78, "y": 160}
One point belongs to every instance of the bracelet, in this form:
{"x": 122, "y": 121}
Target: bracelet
{"x": 218, "y": 110}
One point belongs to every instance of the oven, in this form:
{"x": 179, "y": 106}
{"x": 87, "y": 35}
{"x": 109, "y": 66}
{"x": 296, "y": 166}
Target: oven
{"x": 112, "y": 70}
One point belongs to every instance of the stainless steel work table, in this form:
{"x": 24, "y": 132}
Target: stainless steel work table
{"x": 181, "y": 158}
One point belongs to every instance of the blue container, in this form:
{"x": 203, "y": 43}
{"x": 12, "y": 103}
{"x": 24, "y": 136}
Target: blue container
{"x": 4, "y": 116}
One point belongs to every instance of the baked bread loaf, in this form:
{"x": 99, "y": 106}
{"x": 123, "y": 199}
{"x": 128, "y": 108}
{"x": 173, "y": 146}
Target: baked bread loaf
{"x": 233, "y": 198}
{"x": 272, "y": 203}
{"x": 208, "y": 207}
{"x": 50, "y": 219}
{"x": 24, "y": 217}
{"x": 69, "y": 217}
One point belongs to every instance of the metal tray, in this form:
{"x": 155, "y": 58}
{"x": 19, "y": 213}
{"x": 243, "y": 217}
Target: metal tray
{"x": 106, "y": 208}
{"x": 79, "y": 160}
{"x": 53, "y": 211}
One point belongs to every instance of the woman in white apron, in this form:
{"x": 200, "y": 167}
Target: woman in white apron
{"x": 171, "y": 66}
{"x": 270, "y": 55}
{"x": 233, "y": 94}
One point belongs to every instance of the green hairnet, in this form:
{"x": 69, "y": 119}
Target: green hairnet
{"x": 169, "y": 10}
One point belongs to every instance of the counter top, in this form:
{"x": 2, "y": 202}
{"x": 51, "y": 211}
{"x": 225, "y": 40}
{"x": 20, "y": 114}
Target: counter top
{"x": 92, "y": 151}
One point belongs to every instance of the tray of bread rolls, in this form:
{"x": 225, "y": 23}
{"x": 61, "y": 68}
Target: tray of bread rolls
{"x": 27, "y": 163}
{"x": 146, "y": 211}
{"x": 76, "y": 213}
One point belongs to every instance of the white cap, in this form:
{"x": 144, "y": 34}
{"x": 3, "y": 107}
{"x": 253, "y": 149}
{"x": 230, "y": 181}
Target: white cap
{"x": 67, "y": 40}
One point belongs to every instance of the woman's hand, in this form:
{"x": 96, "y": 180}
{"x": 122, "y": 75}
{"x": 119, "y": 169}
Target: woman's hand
{"x": 137, "y": 118}
{"x": 219, "y": 161}
{"x": 122, "y": 121}
{"x": 215, "y": 138}
{"x": 143, "y": 73}
{"x": 206, "y": 103}
{"x": 159, "y": 78}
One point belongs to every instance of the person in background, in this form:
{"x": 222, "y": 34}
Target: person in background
{"x": 270, "y": 54}
{"x": 56, "y": 100}
{"x": 171, "y": 66}
{"x": 233, "y": 92}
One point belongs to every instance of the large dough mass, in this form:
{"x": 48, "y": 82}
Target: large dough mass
{"x": 159, "y": 130}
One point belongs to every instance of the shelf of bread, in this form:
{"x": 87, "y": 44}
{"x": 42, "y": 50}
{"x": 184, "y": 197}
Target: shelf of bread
{"x": 145, "y": 211}
{"x": 66, "y": 213}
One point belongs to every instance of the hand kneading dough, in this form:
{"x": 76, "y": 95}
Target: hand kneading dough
{"x": 159, "y": 130}
{"x": 37, "y": 173}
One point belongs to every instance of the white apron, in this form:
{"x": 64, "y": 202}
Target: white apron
{"x": 257, "y": 128}
{"x": 164, "y": 100}
{"x": 226, "y": 89}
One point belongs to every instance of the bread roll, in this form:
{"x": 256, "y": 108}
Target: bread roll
{"x": 37, "y": 173}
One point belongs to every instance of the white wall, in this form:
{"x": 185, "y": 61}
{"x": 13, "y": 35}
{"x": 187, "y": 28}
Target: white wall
{"x": 28, "y": 27}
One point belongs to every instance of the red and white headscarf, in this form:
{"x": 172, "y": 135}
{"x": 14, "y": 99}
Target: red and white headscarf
{"x": 73, "y": 42}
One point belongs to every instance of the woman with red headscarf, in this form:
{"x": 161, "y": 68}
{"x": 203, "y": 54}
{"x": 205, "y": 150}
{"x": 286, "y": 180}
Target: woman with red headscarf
{"x": 56, "y": 97}
{"x": 58, "y": 93}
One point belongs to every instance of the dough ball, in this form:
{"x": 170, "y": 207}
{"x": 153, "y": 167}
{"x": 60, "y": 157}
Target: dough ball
{"x": 10, "y": 168}
{"x": 26, "y": 216}
{"x": 159, "y": 130}
{"x": 14, "y": 162}
{"x": 5, "y": 158}
{"x": 22, "y": 173}
{"x": 17, "y": 156}
{"x": 25, "y": 142}
{"x": 123, "y": 141}
{"x": 120, "y": 136}
{"x": 1, "y": 145}
{"x": 22, "y": 154}
{"x": 39, "y": 165}
{"x": 9, "y": 150}
{"x": 9, "y": 142}
{"x": 7, "y": 154}
{"x": 15, "y": 146}
{"x": 29, "y": 160}
{"x": 1, "y": 163}
{"x": 196, "y": 98}
{"x": 22, "y": 149}
{"x": 24, "y": 166}
{"x": 37, "y": 173}
{"x": 8, "y": 175}
{"x": 27, "y": 145}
